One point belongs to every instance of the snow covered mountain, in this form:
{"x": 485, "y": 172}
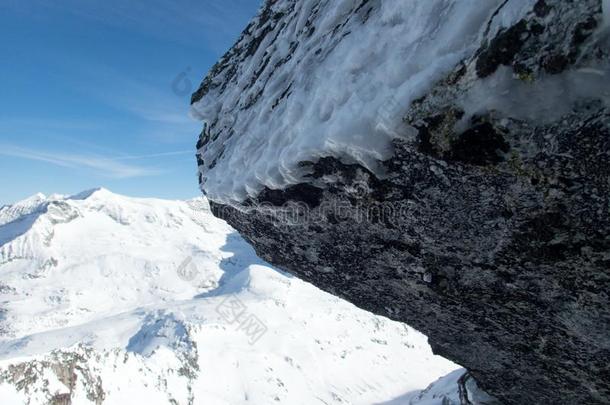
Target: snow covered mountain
{"x": 109, "y": 299}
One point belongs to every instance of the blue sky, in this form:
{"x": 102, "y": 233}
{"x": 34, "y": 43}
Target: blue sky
{"x": 95, "y": 93}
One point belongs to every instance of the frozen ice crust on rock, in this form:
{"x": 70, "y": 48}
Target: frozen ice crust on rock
{"x": 315, "y": 78}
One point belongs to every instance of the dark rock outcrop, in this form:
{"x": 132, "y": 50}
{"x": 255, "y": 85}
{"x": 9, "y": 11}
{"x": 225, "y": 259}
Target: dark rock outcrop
{"x": 490, "y": 228}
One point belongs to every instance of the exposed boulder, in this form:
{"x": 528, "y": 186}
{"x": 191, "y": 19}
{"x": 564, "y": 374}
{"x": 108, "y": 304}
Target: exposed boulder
{"x": 487, "y": 227}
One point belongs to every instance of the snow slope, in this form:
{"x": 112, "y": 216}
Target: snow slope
{"x": 313, "y": 78}
{"x": 110, "y": 299}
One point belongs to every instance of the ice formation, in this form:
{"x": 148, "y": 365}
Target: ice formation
{"x": 318, "y": 78}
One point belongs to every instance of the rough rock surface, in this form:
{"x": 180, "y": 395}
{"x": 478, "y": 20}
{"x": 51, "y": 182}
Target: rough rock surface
{"x": 490, "y": 229}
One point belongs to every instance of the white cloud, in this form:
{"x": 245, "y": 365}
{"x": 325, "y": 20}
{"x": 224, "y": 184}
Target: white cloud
{"x": 105, "y": 166}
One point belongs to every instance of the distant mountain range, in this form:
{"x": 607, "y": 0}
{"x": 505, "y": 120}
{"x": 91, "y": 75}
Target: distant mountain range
{"x": 109, "y": 299}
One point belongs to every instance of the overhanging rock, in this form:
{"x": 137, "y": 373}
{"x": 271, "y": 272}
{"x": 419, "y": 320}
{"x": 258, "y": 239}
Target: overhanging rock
{"x": 486, "y": 225}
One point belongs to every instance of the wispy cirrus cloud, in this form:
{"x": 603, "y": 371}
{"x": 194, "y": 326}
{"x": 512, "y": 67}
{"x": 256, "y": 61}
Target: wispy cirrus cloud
{"x": 112, "y": 167}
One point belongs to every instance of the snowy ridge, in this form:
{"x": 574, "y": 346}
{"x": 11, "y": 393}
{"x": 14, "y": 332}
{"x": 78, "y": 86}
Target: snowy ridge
{"x": 318, "y": 78}
{"x": 109, "y": 298}
{"x": 9, "y": 213}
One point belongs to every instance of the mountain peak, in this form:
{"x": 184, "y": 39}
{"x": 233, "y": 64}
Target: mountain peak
{"x": 98, "y": 191}
{"x": 33, "y": 199}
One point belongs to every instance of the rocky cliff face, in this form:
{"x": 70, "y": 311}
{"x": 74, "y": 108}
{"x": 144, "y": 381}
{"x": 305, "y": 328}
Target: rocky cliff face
{"x": 473, "y": 205}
